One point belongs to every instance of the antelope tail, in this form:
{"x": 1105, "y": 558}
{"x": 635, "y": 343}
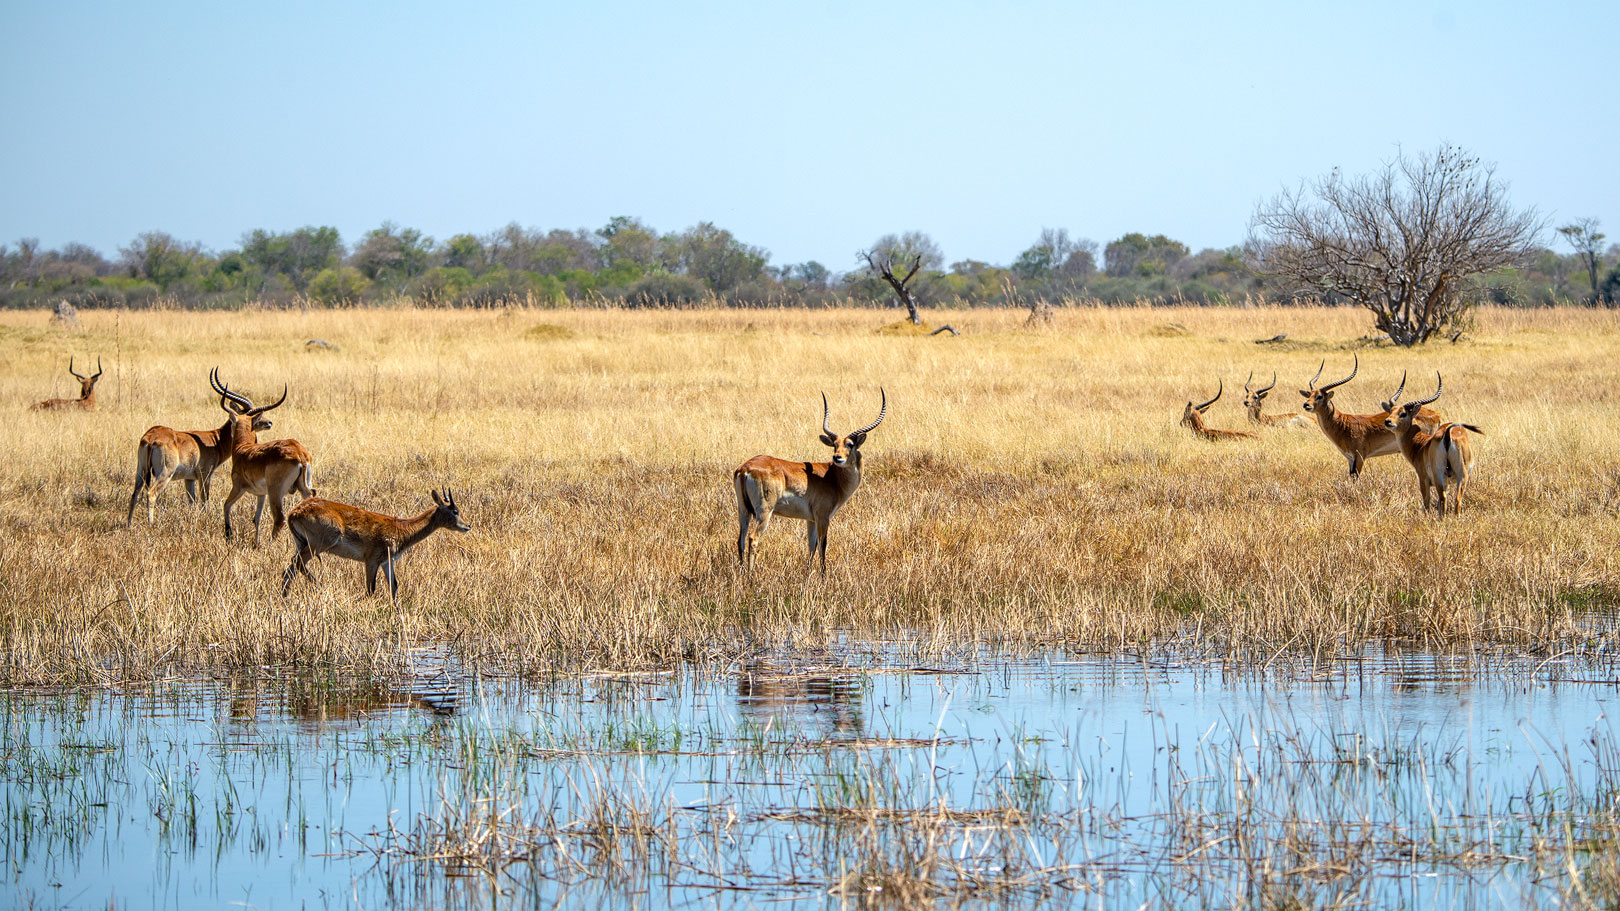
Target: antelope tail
{"x": 748, "y": 495}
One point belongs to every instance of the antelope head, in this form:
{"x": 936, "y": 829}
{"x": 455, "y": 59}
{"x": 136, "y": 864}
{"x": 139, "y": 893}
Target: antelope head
{"x": 1254, "y": 399}
{"x": 1397, "y": 419}
{"x": 847, "y": 449}
{"x": 1322, "y": 398}
{"x": 1191, "y": 412}
{"x": 240, "y": 407}
{"x": 87, "y": 384}
{"x": 447, "y": 515}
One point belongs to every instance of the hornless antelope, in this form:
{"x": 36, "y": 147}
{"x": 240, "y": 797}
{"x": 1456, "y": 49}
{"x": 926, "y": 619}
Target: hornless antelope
{"x": 1254, "y": 400}
{"x": 1441, "y": 458}
{"x": 1359, "y": 437}
{"x": 272, "y": 469}
{"x": 87, "y": 392}
{"x": 165, "y": 455}
{"x": 1193, "y": 417}
{"x": 811, "y": 491}
{"x": 328, "y": 527}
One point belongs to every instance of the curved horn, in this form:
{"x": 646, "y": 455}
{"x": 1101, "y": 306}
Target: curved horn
{"x": 263, "y": 408}
{"x": 1268, "y": 388}
{"x": 1218, "y": 390}
{"x": 1312, "y": 383}
{"x": 1395, "y": 397}
{"x": 243, "y": 403}
{"x": 882, "y": 410}
{"x": 826, "y": 417}
{"x": 98, "y": 367}
{"x": 1246, "y": 382}
{"x": 1353, "y": 371}
{"x": 1438, "y": 386}
{"x": 70, "y": 368}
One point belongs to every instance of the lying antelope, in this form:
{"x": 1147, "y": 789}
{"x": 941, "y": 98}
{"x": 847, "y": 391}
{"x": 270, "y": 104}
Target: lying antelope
{"x": 165, "y": 455}
{"x": 1193, "y": 417}
{"x": 87, "y": 392}
{"x": 1254, "y": 400}
{"x": 1441, "y": 458}
{"x": 1359, "y": 437}
{"x": 379, "y": 541}
{"x": 811, "y": 491}
{"x": 267, "y": 470}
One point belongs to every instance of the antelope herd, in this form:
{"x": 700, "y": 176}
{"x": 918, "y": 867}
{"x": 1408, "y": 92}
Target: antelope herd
{"x": 1438, "y": 450}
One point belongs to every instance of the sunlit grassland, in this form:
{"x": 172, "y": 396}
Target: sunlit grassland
{"x": 1029, "y": 489}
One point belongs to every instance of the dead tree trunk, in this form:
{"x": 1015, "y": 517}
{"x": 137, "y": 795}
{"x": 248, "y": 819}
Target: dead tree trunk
{"x": 901, "y": 292}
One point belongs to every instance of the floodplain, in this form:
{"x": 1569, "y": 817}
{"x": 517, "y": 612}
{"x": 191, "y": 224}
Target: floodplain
{"x": 1064, "y": 650}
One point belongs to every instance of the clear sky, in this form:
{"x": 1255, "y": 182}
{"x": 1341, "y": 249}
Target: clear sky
{"x": 808, "y": 129}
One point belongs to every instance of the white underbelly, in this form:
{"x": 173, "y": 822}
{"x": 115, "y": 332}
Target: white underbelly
{"x": 793, "y": 506}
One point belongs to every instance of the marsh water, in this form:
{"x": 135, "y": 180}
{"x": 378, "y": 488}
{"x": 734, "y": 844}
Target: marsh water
{"x": 1112, "y": 781}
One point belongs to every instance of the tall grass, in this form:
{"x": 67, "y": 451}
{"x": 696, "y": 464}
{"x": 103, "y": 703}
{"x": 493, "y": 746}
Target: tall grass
{"x": 1029, "y": 489}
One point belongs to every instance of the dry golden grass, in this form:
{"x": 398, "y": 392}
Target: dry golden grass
{"x": 1029, "y": 488}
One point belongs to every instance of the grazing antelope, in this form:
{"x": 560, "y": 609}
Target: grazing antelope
{"x": 811, "y": 491}
{"x": 1359, "y": 437}
{"x": 1193, "y": 417}
{"x": 1441, "y": 458}
{"x": 165, "y": 455}
{"x": 1254, "y": 400}
{"x": 379, "y": 541}
{"x": 87, "y": 392}
{"x": 267, "y": 470}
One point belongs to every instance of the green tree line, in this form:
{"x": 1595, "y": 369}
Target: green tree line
{"x": 629, "y": 263}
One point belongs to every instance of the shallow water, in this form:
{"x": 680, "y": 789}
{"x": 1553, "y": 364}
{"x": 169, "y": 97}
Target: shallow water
{"x": 1103, "y": 782}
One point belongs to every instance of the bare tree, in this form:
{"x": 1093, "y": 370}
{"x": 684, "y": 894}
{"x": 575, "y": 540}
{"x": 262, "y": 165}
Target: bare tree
{"x": 1402, "y": 242}
{"x": 1584, "y": 236}
{"x": 885, "y": 268}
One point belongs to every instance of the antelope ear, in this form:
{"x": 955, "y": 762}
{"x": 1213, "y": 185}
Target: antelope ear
{"x": 436, "y": 500}
{"x": 1305, "y": 392}
{"x": 857, "y": 438}
{"x": 829, "y": 439}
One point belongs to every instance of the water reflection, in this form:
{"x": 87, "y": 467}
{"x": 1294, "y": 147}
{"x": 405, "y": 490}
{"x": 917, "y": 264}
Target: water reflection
{"x": 1402, "y": 779}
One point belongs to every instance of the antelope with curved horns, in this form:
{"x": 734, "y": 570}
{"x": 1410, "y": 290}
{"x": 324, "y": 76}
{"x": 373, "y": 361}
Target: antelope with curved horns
{"x": 1254, "y": 400}
{"x": 165, "y": 455}
{"x": 87, "y": 392}
{"x": 1359, "y": 437}
{"x": 1442, "y": 458}
{"x": 267, "y": 470}
{"x": 811, "y": 491}
{"x": 379, "y": 541}
{"x": 1193, "y": 417}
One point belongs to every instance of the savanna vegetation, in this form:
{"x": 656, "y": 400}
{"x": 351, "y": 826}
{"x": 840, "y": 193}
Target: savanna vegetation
{"x": 1030, "y": 488}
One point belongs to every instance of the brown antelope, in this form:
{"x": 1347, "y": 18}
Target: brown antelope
{"x": 1193, "y": 417}
{"x": 811, "y": 491}
{"x": 87, "y": 392}
{"x": 1254, "y": 400}
{"x": 1359, "y": 437}
{"x": 267, "y": 470}
{"x": 1441, "y": 458}
{"x": 379, "y": 541}
{"x": 165, "y": 455}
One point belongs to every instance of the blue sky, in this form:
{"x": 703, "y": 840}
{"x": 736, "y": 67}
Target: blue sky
{"x": 809, "y": 130}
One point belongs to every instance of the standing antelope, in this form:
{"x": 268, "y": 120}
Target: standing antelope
{"x": 379, "y": 541}
{"x": 1254, "y": 400}
{"x": 1193, "y": 417}
{"x": 1441, "y": 458}
{"x": 87, "y": 392}
{"x": 1359, "y": 437}
{"x": 811, "y": 491}
{"x": 266, "y": 470}
{"x": 165, "y": 455}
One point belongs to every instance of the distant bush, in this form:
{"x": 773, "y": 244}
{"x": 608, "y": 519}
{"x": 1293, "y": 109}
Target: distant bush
{"x": 663, "y": 289}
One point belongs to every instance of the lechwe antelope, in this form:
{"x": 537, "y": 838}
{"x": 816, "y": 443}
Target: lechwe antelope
{"x": 1359, "y": 437}
{"x": 1193, "y": 417}
{"x": 811, "y": 491}
{"x": 267, "y": 470}
{"x": 165, "y": 455}
{"x": 328, "y": 527}
{"x": 87, "y": 392}
{"x": 1254, "y": 400}
{"x": 1442, "y": 458}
